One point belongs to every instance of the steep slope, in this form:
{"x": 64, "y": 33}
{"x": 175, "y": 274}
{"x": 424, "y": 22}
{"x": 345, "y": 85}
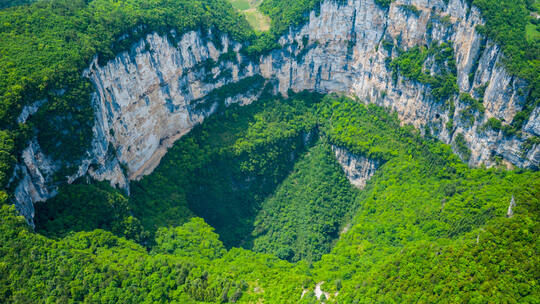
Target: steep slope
{"x": 306, "y": 213}
{"x": 9, "y": 3}
{"x": 344, "y": 47}
{"x": 427, "y": 228}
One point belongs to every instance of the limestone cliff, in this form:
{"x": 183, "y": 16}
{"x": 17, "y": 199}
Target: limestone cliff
{"x": 148, "y": 97}
{"x": 145, "y": 99}
{"x": 358, "y": 169}
{"x": 344, "y": 53}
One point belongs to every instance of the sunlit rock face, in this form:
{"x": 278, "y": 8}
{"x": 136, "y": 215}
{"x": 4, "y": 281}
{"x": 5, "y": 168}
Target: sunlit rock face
{"x": 345, "y": 53}
{"x": 145, "y": 99}
{"x": 358, "y": 169}
{"x": 149, "y": 96}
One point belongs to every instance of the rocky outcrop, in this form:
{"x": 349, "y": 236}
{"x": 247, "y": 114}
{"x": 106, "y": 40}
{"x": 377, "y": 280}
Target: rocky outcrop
{"x": 34, "y": 175}
{"x": 533, "y": 126}
{"x": 357, "y": 168}
{"x": 148, "y": 97}
{"x": 145, "y": 100}
{"x": 345, "y": 53}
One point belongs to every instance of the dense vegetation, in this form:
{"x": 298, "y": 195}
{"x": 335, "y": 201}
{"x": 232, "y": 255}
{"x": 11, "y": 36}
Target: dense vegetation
{"x": 45, "y": 60}
{"x": 506, "y": 24}
{"x": 45, "y": 46}
{"x": 224, "y": 168}
{"x": 413, "y": 65}
{"x": 304, "y": 216}
{"x": 8, "y": 3}
{"x": 426, "y": 227}
{"x": 98, "y": 207}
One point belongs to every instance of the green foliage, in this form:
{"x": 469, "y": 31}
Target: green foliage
{"x": 364, "y": 130}
{"x": 46, "y": 45}
{"x": 492, "y": 123}
{"x": 85, "y": 207}
{"x": 285, "y": 14}
{"x": 475, "y": 104}
{"x": 530, "y": 143}
{"x": 384, "y": 3}
{"x": 506, "y": 22}
{"x": 7, "y": 160}
{"x": 60, "y": 37}
{"x": 414, "y": 237}
{"x": 65, "y": 123}
{"x": 411, "y": 8}
{"x": 494, "y": 269}
{"x": 225, "y": 168}
{"x": 193, "y": 239}
{"x": 99, "y": 267}
{"x": 474, "y": 107}
{"x": 462, "y": 148}
{"x": 303, "y": 217}
{"x": 9, "y": 3}
{"x": 412, "y": 64}
{"x": 425, "y": 228}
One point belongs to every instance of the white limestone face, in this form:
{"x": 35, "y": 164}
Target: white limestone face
{"x": 146, "y": 98}
{"x": 358, "y": 169}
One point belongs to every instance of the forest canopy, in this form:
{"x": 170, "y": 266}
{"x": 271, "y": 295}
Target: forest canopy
{"x": 425, "y": 220}
{"x": 252, "y": 205}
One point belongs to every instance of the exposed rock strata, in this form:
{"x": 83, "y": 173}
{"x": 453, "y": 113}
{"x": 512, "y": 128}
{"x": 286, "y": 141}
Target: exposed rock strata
{"x": 34, "y": 175}
{"x": 148, "y": 97}
{"x": 145, "y": 100}
{"x": 345, "y": 54}
{"x": 357, "y": 168}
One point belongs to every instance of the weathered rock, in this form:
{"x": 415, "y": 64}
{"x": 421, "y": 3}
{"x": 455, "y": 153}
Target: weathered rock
{"x": 357, "y": 168}
{"x": 148, "y": 97}
{"x": 345, "y": 54}
{"x": 34, "y": 174}
{"x": 511, "y": 206}
{"x": 30, "y": 110}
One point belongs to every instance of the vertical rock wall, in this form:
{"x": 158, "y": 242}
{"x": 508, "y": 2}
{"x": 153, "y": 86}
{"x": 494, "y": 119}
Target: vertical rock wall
{"x": 148, "y": 97}
{"x": 358, "y": 169}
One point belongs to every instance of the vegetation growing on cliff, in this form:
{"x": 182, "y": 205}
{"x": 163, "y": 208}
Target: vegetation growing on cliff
{"x": 425, "y": 229}
{"x": 435, "y": 228}
{"x": 413, "y": 64}
{"x": 223, "y": 169}
{"x": 45, "y": 47}
{"x": 60, "y": 38}
{"x": 506, "y": 24}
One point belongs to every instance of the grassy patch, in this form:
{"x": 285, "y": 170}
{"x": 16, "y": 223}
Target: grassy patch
{"x": 531, "y": 31}
{"x": 249, "y": 8}
{"x": 257, "y": 20}
{"x": 241, "y": 5}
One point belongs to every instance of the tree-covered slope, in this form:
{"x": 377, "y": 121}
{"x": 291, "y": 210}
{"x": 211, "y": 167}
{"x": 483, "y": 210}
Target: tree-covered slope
{"x": 251, "y": 206}
{"x": 9, "y": 3}
{"x": 306, "y": 213}
{"x": 426, "y": 228}
{"x": 44, "y": 48}
{"x": 224, "y": 168}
